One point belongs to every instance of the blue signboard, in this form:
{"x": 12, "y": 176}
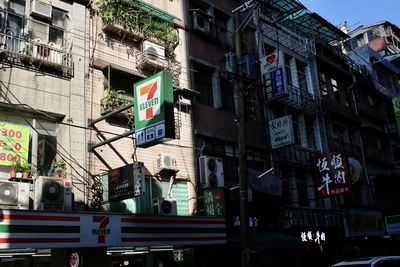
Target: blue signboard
{"x": 278, "y": 82}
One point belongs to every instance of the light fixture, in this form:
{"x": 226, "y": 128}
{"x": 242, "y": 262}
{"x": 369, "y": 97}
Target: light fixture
{"x": 126, "y": 263}
{"x": 134, "y": 252}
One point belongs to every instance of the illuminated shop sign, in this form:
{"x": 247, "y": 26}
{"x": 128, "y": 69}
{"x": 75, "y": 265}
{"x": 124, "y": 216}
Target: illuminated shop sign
{"x": 331, "y": 172}
{"x": 317, "y": 237}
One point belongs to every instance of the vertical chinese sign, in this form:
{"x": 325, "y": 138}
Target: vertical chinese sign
{"x": 332, "y": 174}
{"x": 154, "y": 109}
{"x": 14, "y": 143}
{"x": 273, "y": 75}
{"x": 396, "y": 108}
{"x": 214, "y": 202}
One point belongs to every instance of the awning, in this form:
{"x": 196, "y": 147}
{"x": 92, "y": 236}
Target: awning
{"x": 35, "y": 229}
{"x": 154, "y": 11}
{"x": 295, "y": 16}
{"x": 267, "y": 239}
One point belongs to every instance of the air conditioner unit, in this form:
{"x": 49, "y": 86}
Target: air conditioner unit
{"x": 153, "y": 53}
{"x": 53, "y": 194}
{"x": 211, "y": 172}
{"x": 14, "y": 195}
{"x": 165, "y": 206}
{"x": 41, "y": 9}
{"x": 166, "y": 162}
{"x": 201, "y": 23}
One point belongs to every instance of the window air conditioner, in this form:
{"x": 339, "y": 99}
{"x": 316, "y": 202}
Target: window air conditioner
{"x": 201, "y": 23}
{"x": 53, "y": 194}
{"x": 153, "y": 53}
{"x": 165, "y": 206}
{"x": 41, "y": 9}
{"x": 14, "y": 195}
{"x": 166, "y": 162}
{"x": 211, "y": 172}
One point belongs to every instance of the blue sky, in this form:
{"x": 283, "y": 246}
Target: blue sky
{"x": 356, "y": 12}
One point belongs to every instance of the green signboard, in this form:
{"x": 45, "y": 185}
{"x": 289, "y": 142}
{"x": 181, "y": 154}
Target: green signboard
{"x": 154, "y": 109}
{"x": 14, "y": 143}
{"x": 214, "y": 202}
{"x": 396, "y": 107}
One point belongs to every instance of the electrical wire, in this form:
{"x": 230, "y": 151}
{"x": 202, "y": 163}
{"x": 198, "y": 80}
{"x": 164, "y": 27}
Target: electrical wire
{"x": 44, "y": 128}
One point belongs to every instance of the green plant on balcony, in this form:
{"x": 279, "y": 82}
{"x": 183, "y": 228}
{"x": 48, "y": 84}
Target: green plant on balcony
{"x": 131, "y": 16}
{"x": 114, "y": 100}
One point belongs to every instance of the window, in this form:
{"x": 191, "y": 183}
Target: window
{"x": 203, "y": 84}
{"x": 50, "y": 31}
{"x": 227, "y": 95}
{"x": 324, "y": 87}
{"x": 301, "y": 73}
{"x": 335, "y": 90}
{"x": 47, "y": 146}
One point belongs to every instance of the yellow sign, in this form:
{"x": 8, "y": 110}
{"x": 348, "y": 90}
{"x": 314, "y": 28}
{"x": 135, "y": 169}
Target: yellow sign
{"x": 14, "y": 143}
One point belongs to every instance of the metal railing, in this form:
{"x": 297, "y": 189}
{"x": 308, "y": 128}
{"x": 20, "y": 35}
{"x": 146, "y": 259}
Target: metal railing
{"x": 301, "y": 45}
{"x": 297, "y": 98}
{"x": 36, "y": 52}
{"x": 152, "y": 61}
{"x": 338, "y": 144}
{"x": 295, "y": 155}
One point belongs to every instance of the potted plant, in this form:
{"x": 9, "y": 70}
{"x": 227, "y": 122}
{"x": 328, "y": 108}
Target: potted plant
{"x": 21, "y": 169}
{"x": 59, "y": 168}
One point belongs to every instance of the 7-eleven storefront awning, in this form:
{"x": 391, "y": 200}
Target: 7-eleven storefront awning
{"x": 33, "y": 229}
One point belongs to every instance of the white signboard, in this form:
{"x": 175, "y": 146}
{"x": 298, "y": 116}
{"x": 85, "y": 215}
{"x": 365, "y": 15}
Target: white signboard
{"x": 281, "y": 131}
{"x": 269, "y": 63}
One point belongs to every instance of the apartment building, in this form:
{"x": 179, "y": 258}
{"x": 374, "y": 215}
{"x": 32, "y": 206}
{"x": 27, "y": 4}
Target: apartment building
{"x": 44, "y": 61}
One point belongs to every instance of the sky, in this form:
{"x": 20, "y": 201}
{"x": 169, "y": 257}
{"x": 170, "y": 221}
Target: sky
{"x": 356, "y": 12}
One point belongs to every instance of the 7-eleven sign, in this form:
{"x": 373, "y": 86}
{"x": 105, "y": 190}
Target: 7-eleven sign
{"x": 149, "y": 99}
{"x": 154, "y": 118}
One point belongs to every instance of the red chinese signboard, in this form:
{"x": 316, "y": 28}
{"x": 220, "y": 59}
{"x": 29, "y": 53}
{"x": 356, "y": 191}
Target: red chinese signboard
{"x": 331, "y": 173}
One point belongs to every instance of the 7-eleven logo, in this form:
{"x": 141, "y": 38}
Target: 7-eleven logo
{"x": 148, "y": 95}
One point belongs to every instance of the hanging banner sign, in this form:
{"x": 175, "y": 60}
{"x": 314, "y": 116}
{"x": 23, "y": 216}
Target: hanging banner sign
{"x": 154, "y": 109}
{"x": 332, "y": 174}
{"x": 126, "y": 182}
{"x": 281, "y": 131}
{"x": 14, "y": 143}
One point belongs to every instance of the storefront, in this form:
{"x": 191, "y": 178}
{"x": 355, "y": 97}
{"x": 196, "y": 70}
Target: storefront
{"x": 99, "y": 239}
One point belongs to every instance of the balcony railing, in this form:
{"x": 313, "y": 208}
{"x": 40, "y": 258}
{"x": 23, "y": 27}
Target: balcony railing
{"x": 311, "y": 218}
{"x": 295, "y": 155}
{"x": 301, "y": 45}
{"x": 297, "y": 98}
{"x": 151, "y": 61}
{"x": 338, "y": 144}
{"x": 37, "y": 54}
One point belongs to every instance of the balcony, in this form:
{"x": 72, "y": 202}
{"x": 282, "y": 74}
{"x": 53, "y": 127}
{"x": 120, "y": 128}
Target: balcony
{"x": 114, "y": 100}
{"x": 379, "y": 155}
{"x": 336, "y": 109}
{"x": 35, "y": 54}
{"x": 311, "y": 218}
{"x": 295, "y": 155}
{"x": 301, "y": 45}
{"x": 336, "y": 144}
{"x": 296, "y": 98}
{"x": 150, "y": 61}
{"x": 372, "y": 111}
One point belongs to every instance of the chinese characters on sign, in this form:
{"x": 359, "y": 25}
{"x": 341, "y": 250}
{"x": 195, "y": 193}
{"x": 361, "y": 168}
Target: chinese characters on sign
{"x": 214, "y": 202}
{"x": 313, "y": 237}
{"x": 281, "y": 131}
{"x": 126, "y": 182}
{"x": 331, "y": 171}
{"x": 278, "y": 82}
